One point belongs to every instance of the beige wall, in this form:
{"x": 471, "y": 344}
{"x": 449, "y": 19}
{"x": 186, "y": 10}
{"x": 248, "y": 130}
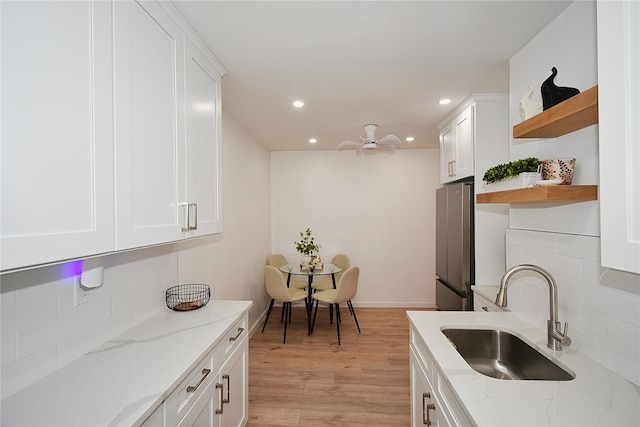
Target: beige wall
{"x": 379, "y": 209}
{"x": 233, "y": 261}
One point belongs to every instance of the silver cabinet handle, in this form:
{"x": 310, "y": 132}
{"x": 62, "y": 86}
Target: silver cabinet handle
{"x": 188, "y": 226}
{"x": 426, "y": 407}
{"x": 227, "y": 378}
{"x": 192, "y": 388}
{"x": 240, "y": 331}
{"x": 221, "y": 401}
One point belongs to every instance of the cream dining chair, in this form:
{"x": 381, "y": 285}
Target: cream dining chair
{"x": 339, "y": 260}
{"x": 278, "y": 260}
{"x": 276, "y": 287}
{"x": 345, "y": 290}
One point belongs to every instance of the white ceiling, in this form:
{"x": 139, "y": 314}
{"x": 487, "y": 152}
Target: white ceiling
{"x": 358, "y": 62}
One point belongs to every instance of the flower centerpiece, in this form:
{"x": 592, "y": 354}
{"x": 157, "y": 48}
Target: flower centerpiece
{"x": 307, "y": 246}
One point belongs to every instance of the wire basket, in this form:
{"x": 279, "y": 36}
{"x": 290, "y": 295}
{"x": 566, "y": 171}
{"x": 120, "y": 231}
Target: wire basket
{"x": 188, "y": 297}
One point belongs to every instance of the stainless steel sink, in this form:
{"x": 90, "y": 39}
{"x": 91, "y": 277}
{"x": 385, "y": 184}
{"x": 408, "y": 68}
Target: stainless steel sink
{"x": 500, "y": 354}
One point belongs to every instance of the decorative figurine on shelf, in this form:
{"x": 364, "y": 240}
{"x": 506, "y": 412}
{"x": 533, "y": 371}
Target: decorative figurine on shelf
{"x": 552, "y": 94}
{"x": 529, "y": 107}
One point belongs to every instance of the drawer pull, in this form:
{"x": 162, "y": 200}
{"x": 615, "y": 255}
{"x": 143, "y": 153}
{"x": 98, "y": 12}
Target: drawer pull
{"x": 221, "y": 410}
{"x": 240, "y": 331}
{"x": 226, "y": 377}
{"x": 192, "y": 388}
{"x": 485, "y": 308}
{"x": 426, "y": 407}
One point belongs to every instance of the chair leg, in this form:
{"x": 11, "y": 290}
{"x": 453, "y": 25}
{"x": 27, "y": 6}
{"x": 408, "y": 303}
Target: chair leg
{"x": 354, "y": 316}
{"x": 338, "y": 321}
{"x": 315, "y": 313}
{"x": 283, "y": 312}
{"x": 268, "y": 313}
{"x": 286, "y": 306}
{"x": 331, "y": 314}
{"x": 350, "y": 307}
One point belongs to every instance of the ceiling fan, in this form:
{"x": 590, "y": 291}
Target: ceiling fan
{"x": 370, "y": 143}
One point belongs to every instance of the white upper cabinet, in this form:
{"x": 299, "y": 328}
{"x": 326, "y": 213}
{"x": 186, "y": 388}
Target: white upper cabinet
{"x": 203, "y": 134}
{"x": 618, "y": 110}
{"x": 57, "y": 132}
{"x": 111, "y": 134}
{"x": 457, "y": 147}
{"x": 167, "y": 158}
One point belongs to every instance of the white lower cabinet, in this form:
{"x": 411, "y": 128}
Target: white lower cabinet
{"x": 216, "y": 392}
{"x": 432, "y": 401}
{"x": 482, "y": 303}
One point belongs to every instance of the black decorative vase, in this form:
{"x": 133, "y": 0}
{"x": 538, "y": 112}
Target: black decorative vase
{"x": 552, "y": 94}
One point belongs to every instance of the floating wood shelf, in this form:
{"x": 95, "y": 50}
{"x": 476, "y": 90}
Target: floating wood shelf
{"x": 552, "y": 193}
{"x": 571, "y": 115}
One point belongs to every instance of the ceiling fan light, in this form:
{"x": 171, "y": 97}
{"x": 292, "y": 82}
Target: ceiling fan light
{"x": 369, "y": 145}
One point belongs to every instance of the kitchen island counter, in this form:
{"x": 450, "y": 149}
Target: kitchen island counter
{"x": 597, "y": 396}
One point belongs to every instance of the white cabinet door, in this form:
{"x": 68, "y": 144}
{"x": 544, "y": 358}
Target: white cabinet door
{"x": 57, "y": 131}
{"x": 447, "y": 154}
{"x": 457, "y": 144}
{"x": 619, "y": 109}
{"x": 202, "y": 413}
{"x": 203, "y": 135}
{"x": 424, "y": 407}
{"x": 234, "y": 377}
{"x": 149, "y": 82}
{"x": 464, "y": 137}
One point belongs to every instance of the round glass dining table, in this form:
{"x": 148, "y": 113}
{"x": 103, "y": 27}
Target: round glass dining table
{"x": 298, "y": 270}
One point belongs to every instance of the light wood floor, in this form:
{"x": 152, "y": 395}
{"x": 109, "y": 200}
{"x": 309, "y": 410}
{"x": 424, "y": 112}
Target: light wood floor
{"x": 311, "y": 381}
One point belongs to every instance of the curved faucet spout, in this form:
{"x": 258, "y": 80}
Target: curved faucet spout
{"x": 555, "y": 337}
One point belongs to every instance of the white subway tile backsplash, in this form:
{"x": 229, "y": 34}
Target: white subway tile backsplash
{"x": 582, "y": 247}
{"x": 611, "y": 329}
{"x": 601, "y": 305}
{"x": 43, "y": 329}
{"x": 544, "y": 242}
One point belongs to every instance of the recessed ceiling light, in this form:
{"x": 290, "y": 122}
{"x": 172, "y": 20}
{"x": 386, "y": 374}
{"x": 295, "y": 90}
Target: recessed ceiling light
{"x": 445, "y": 101}
{"x": 298, "y": 104}
{"x": 313, "y": 140}
{"x": 409, "y": 139}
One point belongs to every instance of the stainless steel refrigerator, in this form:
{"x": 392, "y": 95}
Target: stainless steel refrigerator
{"x": 455, "y": 266}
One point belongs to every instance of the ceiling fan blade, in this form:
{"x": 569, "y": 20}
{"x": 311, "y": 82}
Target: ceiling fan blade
{"x": 349, "y": 144}
{"x": 389, "y": 140}
{"x": 388, "y": 149}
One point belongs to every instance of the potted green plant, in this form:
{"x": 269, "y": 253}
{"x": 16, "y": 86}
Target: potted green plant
{"x": 505, "y": 174}
{"x": 307, "y": 246}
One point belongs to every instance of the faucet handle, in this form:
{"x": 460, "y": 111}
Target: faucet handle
{"x": 565, "y": 340}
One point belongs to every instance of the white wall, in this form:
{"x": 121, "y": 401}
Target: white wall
{"x": 379, "y": 209}
{"x": 41, "y": 328}
{"x": 233, "y": 262}
{"x": 601, "y": 305}
{"x": 569, "y": 44}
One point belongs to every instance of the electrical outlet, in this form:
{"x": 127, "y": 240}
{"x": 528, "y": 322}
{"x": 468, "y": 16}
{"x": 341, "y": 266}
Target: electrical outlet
{"x": 82, "y": 295}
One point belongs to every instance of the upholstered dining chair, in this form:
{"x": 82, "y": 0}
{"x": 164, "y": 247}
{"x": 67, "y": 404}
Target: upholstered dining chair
{"x": 345, "y": 290}
{"x": 278, "y": 260}
{"x": 277, "y": 289}
{"x": 339, "y": 260}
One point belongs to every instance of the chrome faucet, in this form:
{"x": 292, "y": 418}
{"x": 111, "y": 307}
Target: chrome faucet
{"x": 555, "y": 338}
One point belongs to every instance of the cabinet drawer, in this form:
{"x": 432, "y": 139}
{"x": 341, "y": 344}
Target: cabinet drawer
{"x": 481, "y": 303}
{"x": 232, "y": 339}
{"x": 189, "y": 390}
{"x": 422, "y": 355}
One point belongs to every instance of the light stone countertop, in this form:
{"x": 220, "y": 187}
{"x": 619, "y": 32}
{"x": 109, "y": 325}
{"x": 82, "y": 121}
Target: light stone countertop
{"x": 596, "y": 397}
{"x": 125, "y": 379}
